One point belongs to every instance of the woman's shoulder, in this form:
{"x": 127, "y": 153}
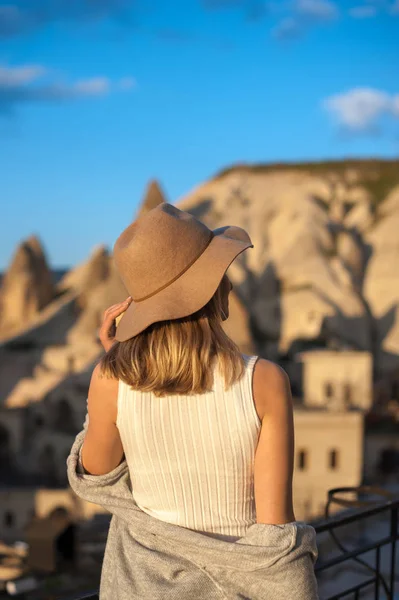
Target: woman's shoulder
{"x": 264, "y": 370}
{"x": 104, "y": 390}
{"x": 99, "y": 378}
{"x": 271, "y": 370}
{"x": 271, "y": 385}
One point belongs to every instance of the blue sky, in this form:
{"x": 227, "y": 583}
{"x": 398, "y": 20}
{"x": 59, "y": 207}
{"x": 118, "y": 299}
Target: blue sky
{"x": 98, "y": 96}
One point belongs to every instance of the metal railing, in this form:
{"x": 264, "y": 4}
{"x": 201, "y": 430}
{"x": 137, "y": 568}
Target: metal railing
{"x": 91, "y": 596}
{"x": 382, "y": 584}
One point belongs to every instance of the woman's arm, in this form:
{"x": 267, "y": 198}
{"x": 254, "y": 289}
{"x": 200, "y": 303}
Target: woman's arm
{"x": 102, "y": 449}
{"x": 274, "y": 459}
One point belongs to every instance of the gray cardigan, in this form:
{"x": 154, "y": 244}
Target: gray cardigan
{"x": 149, "y": 559}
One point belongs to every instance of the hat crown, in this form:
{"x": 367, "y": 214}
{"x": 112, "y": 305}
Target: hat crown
{"x": 157, "y": 248}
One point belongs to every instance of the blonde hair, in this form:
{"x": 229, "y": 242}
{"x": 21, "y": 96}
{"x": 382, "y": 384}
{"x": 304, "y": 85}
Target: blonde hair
{"x": 177, "y": 356}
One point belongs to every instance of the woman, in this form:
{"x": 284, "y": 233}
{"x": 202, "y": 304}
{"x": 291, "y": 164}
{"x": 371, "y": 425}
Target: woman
{"x": 206, "y": 433}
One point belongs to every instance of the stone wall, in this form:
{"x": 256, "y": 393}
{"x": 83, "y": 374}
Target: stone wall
{"x": 18, "y": 506}
{"x": 337, "y": 379}
{"x": 328, "y": 454}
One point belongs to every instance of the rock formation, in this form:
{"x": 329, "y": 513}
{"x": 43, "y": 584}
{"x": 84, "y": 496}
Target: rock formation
{"x": 153, "y": 196}
{"x": 97, "y": 299}
{"x": 237, "y": 325}
{"x": 323, "y": 252}
{"x": 89, "y": 274}
{"x": 27, "y": 287}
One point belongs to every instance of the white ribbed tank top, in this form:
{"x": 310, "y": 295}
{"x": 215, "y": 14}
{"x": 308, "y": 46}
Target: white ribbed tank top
{"x": 191, "y": 458}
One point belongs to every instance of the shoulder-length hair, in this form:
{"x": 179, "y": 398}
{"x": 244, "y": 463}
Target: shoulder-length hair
{"x": 177, "y": 356}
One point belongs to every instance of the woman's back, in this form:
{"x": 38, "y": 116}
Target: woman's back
{"x": 200, "y": 459}
{"x": 191, "y": 458}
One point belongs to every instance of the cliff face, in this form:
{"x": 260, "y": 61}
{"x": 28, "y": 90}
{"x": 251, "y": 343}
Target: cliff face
{"x": 322, "y": 271}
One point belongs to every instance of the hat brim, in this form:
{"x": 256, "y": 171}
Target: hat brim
{"x": 192, "y": 290}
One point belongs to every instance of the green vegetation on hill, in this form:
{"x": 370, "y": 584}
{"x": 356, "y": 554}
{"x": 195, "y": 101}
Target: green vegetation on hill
{"x": 386, "y": 166}
{"x": 378, "y": 176}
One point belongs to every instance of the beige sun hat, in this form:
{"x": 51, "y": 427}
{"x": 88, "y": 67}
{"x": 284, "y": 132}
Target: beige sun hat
{"x": 171, "y": 264}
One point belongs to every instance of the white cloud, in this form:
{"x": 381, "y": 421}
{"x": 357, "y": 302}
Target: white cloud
{"x": 21, "y": 16}
{"x": 97, "y": 86}
{"x": 363, "y": 12}
{"x": 35, "y": 83}
{"x": 395, "y": 106}
{"x": 394, "y": 9}
{"x": 287, "y": 29}
{"x": 302, "y": 15}
{"x": 127, "y": 83}
{"x": 324, "y": 10}
{"x": 360, "y": 109}
{"x": 11, "y": 76}
{"x": 371, "y": 8}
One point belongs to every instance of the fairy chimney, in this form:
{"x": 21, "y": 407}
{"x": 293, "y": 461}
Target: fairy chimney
{"x": 27, "y": 286}
{"x": 152, "y": 197}
{"x": 90, "y": 273}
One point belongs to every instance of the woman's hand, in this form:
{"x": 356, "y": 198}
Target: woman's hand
{"x": 107, "y": 331}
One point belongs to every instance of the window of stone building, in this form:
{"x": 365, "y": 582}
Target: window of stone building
{"x": 39, "y": 421}
{"x": 21, "y": 346}
{"x": 5, "y": 445}
{"x": 302, "y": 460}
{"x": 348, "y": 394}
{"x": 71, "y": 364}
{"x": 333, "y": 459}
{"x": 388, "y": 462}
{"x": 47, "y": 465}
{"x": 9, "y": 519}
{"x": 328, "y": 390}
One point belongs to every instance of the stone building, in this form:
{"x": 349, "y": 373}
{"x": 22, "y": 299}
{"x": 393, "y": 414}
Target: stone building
{"x": 337, "y": 380}
{"x": 328, "y": 454}
{"x": 330, "y": 426}
{"x": 35, "y": 439}
{"x": 18, "y": 506}
{"x": 329, "y": 434}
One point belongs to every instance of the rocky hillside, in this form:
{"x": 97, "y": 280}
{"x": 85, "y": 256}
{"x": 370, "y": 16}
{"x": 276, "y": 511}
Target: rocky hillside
{"x": 322, "y": 273}
{"x": 323, "y": 270}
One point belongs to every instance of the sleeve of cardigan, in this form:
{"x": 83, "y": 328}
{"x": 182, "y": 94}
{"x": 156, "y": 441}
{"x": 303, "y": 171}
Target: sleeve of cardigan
{"x": 79, "y": 465}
